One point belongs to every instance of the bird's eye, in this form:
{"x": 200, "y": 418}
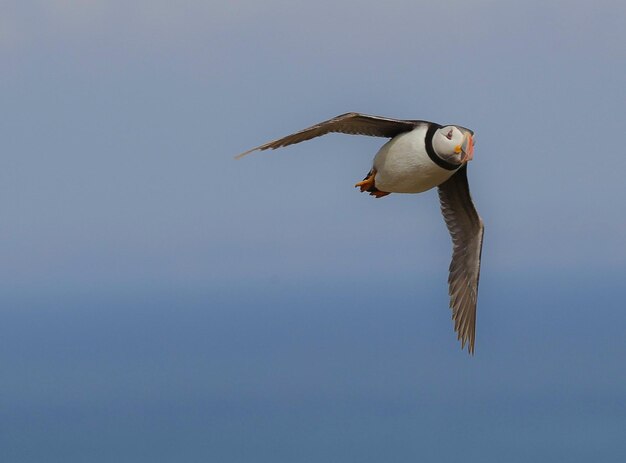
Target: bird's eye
{"x": 449, "y": 135}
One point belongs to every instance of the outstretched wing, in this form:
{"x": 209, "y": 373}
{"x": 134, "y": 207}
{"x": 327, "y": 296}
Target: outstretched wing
{"x": 466, "y": 229}
{"x": 350, "y": 123}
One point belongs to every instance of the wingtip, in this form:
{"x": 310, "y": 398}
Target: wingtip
{"x": 245, "y": 153}
{"x": 465, "y": 341}
{"x": 470, "y": 348}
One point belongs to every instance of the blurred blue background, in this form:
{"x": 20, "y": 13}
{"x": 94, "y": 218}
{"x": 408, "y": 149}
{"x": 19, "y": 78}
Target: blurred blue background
{"x": 163, "y": 302}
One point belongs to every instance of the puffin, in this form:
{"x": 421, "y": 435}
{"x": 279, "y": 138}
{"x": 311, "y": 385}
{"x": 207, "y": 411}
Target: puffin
{"x": 421, "y": 155}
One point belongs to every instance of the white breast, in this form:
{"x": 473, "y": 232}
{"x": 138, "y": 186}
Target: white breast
{"x": 403, "y": 166}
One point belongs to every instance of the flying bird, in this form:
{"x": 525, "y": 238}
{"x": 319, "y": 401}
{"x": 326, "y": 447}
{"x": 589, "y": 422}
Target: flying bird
{"x": 421, "y": 155}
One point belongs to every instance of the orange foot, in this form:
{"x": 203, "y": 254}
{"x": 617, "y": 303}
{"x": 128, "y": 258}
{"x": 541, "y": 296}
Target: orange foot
{"x": 368, "y": 184}
{"x": 378, "y": 193}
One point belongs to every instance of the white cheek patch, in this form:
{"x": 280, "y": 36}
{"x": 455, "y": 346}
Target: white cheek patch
{"x": 441, "y": 144}
{"x": 445, "y": 147}
{"x": 457, "y": 138}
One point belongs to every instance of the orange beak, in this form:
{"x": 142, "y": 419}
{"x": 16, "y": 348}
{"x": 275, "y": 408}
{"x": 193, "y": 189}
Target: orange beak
{"x": 467, "y": 147}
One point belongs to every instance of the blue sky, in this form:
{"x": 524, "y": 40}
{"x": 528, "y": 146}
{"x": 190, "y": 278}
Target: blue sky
{"x": 263, "y": 309}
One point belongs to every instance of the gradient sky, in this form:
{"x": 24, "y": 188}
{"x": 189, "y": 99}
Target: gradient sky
{"x": 163, "y": 302}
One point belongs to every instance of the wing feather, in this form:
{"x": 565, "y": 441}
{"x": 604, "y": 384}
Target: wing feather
{"x": 349, "y": 123}
{"x": 466, "y": 230}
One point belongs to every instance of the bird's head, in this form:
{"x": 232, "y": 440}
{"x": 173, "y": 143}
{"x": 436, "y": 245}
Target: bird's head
{"x": 454, "y": 144}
